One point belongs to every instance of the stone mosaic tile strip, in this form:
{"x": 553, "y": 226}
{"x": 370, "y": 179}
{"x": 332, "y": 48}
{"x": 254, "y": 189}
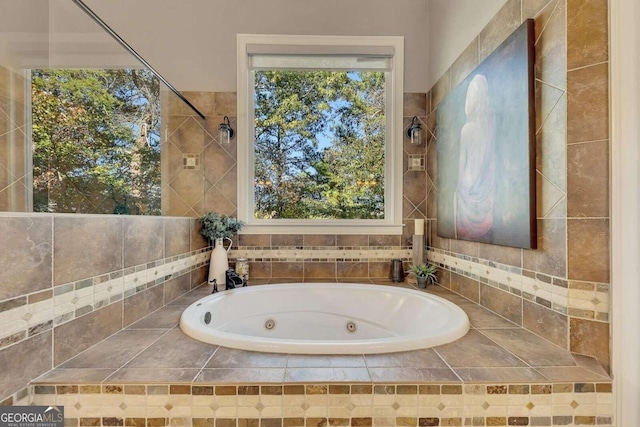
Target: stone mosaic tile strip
{"x": 320, "y": 421}
{"x": 20, "y": 398}
{"x": 12, "y": 303}
{"x": 344, "y": 404}
{"x": 24, "y": 317}
{"x": 374, "y": 253}
{"x": 578, "y": 299}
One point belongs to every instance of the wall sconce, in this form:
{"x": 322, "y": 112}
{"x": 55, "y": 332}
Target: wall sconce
{"x": 414, "y": 133}
{"x": 226, "y": 131}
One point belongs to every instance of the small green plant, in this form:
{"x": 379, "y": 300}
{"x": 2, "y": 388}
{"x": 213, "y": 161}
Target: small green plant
{"x": 427, "y": 271}
{"x": 216, "y": 226}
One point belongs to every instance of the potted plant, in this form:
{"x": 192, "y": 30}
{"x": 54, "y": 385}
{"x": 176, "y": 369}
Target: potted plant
{"x": 425, "y": 273}
{"x": 216, "y": 228}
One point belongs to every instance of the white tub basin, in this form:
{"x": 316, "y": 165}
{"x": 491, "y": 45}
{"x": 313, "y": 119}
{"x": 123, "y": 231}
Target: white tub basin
{"x": 324, "y": 318}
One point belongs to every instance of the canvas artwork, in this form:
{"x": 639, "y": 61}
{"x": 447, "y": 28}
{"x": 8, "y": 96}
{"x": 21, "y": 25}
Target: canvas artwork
{"x": 486, "y": 149}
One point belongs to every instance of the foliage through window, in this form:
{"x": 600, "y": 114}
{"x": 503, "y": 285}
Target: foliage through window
{"x": 319, "y": 144}
{"x": 96, "y": 141}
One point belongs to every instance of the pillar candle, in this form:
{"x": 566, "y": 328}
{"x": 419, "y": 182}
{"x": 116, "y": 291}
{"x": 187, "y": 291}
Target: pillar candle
{"x": 419, "y": 227}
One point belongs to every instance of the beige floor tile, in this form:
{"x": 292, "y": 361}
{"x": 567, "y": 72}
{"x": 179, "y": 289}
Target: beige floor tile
{"x": 476, "y": 350}
{"x": 322, "y": 361}
{"x": 413, "y": 375}
{"x": 115, "y": 351}
{"x": 174, "y": 350}
{"x": 498, "y": 374}
{"x": 531, "y": 348}
{"x": 242, "y": 375}
{"x": 151, "y": 375}
{"x": 426, "y": 358}
{"x": 232, "y": 358}
{"x": 74, "y": 375}
{"x": 571, "y": 374}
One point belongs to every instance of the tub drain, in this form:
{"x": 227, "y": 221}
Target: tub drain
{"x": 207, "y": 317}
{"x": 270, "y": 324}
{"x": 351, "y": 326}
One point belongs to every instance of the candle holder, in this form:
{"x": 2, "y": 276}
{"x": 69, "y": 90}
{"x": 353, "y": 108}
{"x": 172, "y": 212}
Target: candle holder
{"x": 418, "y": 249}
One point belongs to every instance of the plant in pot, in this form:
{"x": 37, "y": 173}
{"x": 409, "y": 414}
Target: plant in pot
{"x": 425, "y": 273}
{"x": 216, "y": 228}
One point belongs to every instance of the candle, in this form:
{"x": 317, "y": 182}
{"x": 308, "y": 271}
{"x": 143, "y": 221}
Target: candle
{"x": 419, "y": 227}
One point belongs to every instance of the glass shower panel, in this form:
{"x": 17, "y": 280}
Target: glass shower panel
{"x": 81, "y": 118}
{"x": 24, "y": 39}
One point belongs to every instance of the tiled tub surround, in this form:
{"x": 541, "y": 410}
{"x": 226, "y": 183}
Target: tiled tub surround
{"x": 320, "y": 256}
{"x": 70, "y": 281}
{"x": 499, "y": 374}
{"x": 561, "y": 290}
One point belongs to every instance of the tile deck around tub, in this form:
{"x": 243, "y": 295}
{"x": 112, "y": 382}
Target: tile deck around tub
{"x": 154, "y": 350}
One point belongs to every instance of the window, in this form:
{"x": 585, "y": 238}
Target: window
{"x": 96, "y": 141}
{"x": 320, "y": 128}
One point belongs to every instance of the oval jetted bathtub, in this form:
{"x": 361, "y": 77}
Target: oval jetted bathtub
{"x": 324, "y": 318}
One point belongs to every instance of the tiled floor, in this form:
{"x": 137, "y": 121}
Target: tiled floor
{"x": 154, "y": 350}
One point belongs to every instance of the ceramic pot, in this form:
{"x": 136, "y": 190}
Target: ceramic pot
{"x": 219, "y": 263}
{"x": 422, "y": 282}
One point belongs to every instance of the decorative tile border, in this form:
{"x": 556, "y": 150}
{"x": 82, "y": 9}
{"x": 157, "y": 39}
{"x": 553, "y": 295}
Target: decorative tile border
{"x": 323, "y": 253}
{"x": 28, "y": 315}
{"x": 20, "y": 398}
{"x": 578, "y": 299}
{"x": 331, "y": 404}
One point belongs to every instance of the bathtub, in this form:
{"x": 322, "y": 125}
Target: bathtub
{"x": 324, "y": 318}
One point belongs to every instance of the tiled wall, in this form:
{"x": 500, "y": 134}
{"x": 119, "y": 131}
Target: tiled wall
{"x": 560, "y": 290}
{"x": 209, "y": 182}
{"x": 69, "y": 281}
{"x": 334, "y": 405}
{"x": 13, "y": 142}
{"x": 211, "y": 185}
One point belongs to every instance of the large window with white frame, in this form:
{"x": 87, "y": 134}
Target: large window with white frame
{"x": 320, "y": 128}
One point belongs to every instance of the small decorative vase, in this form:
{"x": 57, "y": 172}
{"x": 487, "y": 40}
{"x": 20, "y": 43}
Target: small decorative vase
{"x": 219, "y": 262}
{"x": 422, "y": 282}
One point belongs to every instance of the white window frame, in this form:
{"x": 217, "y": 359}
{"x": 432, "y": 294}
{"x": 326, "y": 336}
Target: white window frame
{"x": 392, "y": 223}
